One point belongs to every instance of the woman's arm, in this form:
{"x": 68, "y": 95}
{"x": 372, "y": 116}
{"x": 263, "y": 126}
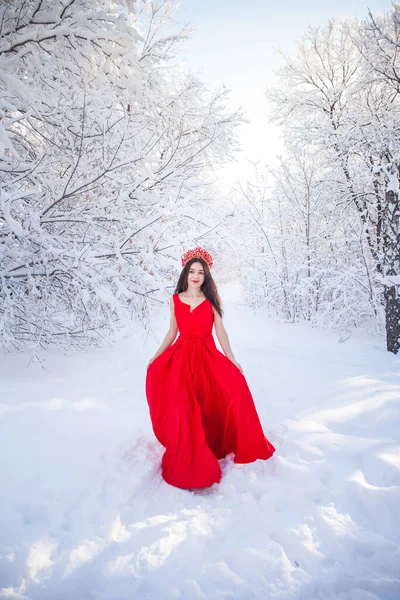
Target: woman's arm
{"x": 171, "y": 335}
{"x": 223, "y": 339}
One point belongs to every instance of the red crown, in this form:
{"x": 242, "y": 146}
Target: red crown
{"x": 197, "y": 253}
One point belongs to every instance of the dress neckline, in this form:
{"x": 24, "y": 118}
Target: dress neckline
{"x": 189, "y": 305}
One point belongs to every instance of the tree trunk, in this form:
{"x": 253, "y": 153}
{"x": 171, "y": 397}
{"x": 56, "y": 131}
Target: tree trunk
{"x": 392, "y": 260}
{"x": 392, "y": 317}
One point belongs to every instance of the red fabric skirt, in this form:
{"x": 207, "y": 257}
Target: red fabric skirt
{"x": 201, "y": 407}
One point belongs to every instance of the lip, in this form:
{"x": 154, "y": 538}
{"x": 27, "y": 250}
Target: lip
{"x": 195, "y": 281}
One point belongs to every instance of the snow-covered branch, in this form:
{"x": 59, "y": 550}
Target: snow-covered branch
{"x": 105, "y": 144}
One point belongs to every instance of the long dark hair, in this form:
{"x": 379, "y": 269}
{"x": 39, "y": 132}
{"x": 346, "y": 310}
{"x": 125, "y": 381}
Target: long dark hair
{"x": 208, "y": 287}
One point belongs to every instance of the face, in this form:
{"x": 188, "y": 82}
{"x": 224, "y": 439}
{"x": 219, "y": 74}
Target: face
{"x": 195, "y": 276}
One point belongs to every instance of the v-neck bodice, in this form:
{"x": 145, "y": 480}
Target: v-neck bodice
{"x": 197, "y": 322}
{"x": 190, "y": 306}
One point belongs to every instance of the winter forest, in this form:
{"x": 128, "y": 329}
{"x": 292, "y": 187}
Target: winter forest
{"x": 108, "y": 149}
{"x": 111, "y": 154}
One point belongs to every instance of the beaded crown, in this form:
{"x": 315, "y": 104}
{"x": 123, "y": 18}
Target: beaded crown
{"x": 197, "y": 253}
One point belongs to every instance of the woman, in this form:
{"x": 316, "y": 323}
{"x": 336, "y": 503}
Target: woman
{"x": 200, "y": 405}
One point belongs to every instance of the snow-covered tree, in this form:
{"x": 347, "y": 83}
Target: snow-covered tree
{"x": 304, "y": 257}
{"x": 379, "y": 45}
{"x": 105, "y": 142}
{"x": 335, "y": 99}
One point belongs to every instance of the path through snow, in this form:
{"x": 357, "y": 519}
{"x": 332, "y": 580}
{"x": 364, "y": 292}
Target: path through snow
{"x": 86, "y": 515}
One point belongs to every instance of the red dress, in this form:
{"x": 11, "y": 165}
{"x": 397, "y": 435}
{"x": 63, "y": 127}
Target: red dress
{"x": 200, "y": 405}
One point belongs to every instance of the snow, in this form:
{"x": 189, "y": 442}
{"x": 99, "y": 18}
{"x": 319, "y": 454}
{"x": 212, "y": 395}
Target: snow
{"x": 86, "y": 514}
{"x": 12, "y": 223}
{"x": 393, "y": 183}
{"x": 148, "y": 169}
{"x": 391, "y": 280}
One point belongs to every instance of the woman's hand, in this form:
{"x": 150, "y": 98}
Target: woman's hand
{"x": 238, "y": 366}
{"x": 150, "y": 361}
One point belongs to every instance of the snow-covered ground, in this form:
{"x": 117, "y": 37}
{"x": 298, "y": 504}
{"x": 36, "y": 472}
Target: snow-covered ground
{"x": 85, "y": 513}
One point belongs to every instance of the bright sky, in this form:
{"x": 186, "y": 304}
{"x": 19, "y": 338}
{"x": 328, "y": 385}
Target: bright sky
{"x": 236, "y": 43}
